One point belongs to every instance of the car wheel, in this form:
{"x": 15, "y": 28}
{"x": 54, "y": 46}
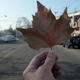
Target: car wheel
{"x": 68, "y": 46}
{"x": 63, "y": 45}
{"x": 73, "y": 47}
{"x": 78, "y": 47}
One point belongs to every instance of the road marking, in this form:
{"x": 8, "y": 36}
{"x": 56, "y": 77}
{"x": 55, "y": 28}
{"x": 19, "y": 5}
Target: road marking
{"x": 5, "y": 52}
{"x": 8, "y": 54}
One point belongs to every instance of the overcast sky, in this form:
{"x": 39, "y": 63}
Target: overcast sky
{"x": 25, "y": 8}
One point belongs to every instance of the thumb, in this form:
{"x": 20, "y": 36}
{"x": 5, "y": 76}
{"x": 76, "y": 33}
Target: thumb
{"x": 50, "y": 60}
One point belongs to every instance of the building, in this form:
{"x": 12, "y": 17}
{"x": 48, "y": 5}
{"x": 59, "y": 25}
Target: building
{"x": 73, "y": 17}
{"x": 74, "y": 21}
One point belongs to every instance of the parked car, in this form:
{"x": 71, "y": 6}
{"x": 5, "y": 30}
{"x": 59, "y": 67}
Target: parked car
{"x": 73, "y": 42}
{"x": 17, "y": 39}
{"x": 8, "y": 39}
{"x": 13, "y": 39}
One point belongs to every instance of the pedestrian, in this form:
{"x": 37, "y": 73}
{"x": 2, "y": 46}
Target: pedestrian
{"x": 43, "y": 67}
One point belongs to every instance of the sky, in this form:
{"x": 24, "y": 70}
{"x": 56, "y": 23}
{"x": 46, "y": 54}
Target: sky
{"x": 14, "y": 9}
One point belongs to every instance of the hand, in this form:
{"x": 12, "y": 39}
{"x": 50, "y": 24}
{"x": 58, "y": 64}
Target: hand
{"x": 43, "y": 67}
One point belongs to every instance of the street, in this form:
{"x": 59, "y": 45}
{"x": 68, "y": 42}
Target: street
{"x": 14, "y": 58}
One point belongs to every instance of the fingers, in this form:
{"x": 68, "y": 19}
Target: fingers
{"x": 57, "y": 73}
{"x": 46, "y": 60}
{"x": 56, "y": 67}
{"x": 39, "y": 60}
{"x": 56, "y": 58}
{"x": 36, "y": 61}
{"x": 56, "y": 70}
{"x": 50, "y": 60}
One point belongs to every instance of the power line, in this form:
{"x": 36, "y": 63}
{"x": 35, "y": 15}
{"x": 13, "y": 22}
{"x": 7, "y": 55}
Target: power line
{"x": 75, "y": 9}
{"x": 10, "y": 21}
{"x": 69, "y": 2}
{"x": 72, "y": 3}
{"x": 77, "y": 6}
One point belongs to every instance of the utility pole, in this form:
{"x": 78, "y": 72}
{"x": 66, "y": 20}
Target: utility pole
{"x": 16, "y": 33}
{"x": 0, "y": 32}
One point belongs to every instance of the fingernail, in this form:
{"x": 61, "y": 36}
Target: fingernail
{"x": 51, "y": 55}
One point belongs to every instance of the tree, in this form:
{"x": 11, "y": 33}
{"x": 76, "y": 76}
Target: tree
{"x": 11, "y": 31}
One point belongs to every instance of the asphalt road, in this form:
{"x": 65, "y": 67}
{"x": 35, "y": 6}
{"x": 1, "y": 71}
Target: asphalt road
{"x": 14, "y": 58}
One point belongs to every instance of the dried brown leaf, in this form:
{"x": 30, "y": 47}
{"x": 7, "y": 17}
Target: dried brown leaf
{"x": 47, "y": 31}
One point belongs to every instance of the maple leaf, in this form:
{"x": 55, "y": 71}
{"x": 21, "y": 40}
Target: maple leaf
{"x": 47, "y": 31}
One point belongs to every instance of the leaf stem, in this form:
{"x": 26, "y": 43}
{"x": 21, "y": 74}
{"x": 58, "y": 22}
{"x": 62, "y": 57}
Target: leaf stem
{"x": 50, "y": 44}
{"x": 51, "y": 47}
